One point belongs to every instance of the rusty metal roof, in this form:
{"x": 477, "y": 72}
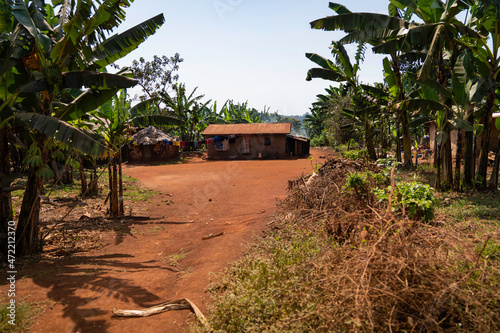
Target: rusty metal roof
{"x": 260, "y": 128}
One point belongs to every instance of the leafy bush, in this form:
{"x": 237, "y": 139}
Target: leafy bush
{"x": 418, "y": 199}
{"x": 359, "y": 183}
{"x": 361, "y": 154}
{"x": 321, "y": 140}
{"x": 362, "y": 182}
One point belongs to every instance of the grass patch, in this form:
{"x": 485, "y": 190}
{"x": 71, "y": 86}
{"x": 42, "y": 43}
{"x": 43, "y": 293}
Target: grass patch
{"x": 270, "y": 289}
{"x": 174, "y": 259}
{"x": 25, "y": 315}
{"x": 472, "y": 206}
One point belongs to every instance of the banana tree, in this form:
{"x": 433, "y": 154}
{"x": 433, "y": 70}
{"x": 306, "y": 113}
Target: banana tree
{"x": 342, "y": 70}
{"x": 115, "y": 120}
{"x": 64, "y": 51}
{"x": 396, "y": 33}
{"x": 184, "y": 107}
{"x": 485, "y": 18}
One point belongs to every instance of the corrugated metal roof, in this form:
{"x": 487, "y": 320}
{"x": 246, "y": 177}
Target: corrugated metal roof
{"x": 261, "y": 128}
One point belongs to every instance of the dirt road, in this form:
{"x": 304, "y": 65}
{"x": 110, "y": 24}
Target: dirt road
{"x": 164, "y": 257}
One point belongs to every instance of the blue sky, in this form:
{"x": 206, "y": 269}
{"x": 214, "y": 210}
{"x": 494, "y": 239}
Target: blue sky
{"x": 248, "y": 50}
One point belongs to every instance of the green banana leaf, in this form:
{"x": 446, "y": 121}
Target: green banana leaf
{"x": 64, "y": 132}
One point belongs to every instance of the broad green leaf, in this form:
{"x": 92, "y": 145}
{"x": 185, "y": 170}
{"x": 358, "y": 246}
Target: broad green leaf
{"x": 155, "y": 120}
{"x": 433, "y": 89}
{"x": 461, "y": 124}
{"x": 356, "y": 21}
{"x": 88, "y": 79}
{"x": 325, "y": 74}
{"x": 440, "y": 118}
{"x": 391, "y": 79}
{"x": 120, "y": 45}
{"x": 64, "y": 132}
{"x": 418, "y": 121}
{"x": 441, "y": 137}
{"x": 479, "y": 90}
{"x": 87, "y": 101}
{"x": 338, "y": 8}
{"x": 143, "y": 107}
{"x": 423, "y": 106}
{"x": 323, "y": 62}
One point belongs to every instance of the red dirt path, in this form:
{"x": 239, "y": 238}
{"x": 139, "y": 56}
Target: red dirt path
{"x": 136, "y": 271}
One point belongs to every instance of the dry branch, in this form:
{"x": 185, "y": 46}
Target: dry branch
{"x": 181, "y": 304}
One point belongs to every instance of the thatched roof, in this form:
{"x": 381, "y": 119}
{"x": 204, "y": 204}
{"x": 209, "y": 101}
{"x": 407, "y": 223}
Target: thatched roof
{"x": 151, "y": 136}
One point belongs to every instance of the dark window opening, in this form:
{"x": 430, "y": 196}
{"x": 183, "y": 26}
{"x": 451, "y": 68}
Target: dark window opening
{"x": 267, "y": 141}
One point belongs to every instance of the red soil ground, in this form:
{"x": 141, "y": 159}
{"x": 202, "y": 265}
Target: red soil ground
{"x": 138, "y": 268}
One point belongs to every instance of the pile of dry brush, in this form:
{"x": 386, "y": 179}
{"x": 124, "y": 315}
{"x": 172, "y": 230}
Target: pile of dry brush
{"x": 388, "y": 273}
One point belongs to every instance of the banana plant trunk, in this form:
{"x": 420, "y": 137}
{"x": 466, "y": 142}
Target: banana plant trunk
{"x": 113, "y": 190}
{"x": 447, "y": 160}
{"x": 482, "y": 169}
{"x": 469, "y": 156}
{"x": 5, "y": 193}
{"x": 458, "y": 162}
{"x": 408, "y": 164}
{"x": 370, "y": 147}
{"x": 496, "y": 165}
{"x": 120, "y": 184}
{"x": 437, "y": 158}
{"x": 116, "y": 190}
{"x": 28, "y": 227}
{"x": 398, "y": 145}
{"x": 83, "y": 179}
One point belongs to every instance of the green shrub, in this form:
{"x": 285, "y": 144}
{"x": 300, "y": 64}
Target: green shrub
{"x": 416, "y": 198}
{"x": 359, "y": 183}
{"x": 360, "y": 154}
{"x": 362, "y": 182}
{"x": 321, "y": 140}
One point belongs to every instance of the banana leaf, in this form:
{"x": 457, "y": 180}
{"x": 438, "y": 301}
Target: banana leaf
{"x": 64, "y": 132}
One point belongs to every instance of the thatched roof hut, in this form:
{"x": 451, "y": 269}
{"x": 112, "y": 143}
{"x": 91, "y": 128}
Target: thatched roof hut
{"x": 151, "y": 144}
{"x": 151, "y": 136}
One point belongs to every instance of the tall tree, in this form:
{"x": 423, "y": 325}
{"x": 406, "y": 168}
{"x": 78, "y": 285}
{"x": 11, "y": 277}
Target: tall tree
{"x": 65, "y": 50}
{"x": 485, "y": 18}
{"x": 115, "y": 119}
{"x": 343, "y": 70}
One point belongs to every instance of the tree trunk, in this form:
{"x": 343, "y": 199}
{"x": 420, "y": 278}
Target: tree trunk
{"x": 83, "y": 179}
{"x": 447, "y": 160}
{"x": 398, "y": 145}
{"x": 403, "y": 116}
{"x": 113, "y": 188}
{"x": 406, "y": 141}
{"x": 496, "y": 164}
{"x": 27, "y": 231}
{"x": 436, "y": 150}
{"x": 67, "y": 175}
{"x": 482, "y": 169}
{"x": 5, "y": 195}
{"x": 437, "y": 158}
{"x": 120, "y": 184}
{"x": 370, "y": 147}
{"x": 469, "y": 156}
{"x": 458, "y": 160}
